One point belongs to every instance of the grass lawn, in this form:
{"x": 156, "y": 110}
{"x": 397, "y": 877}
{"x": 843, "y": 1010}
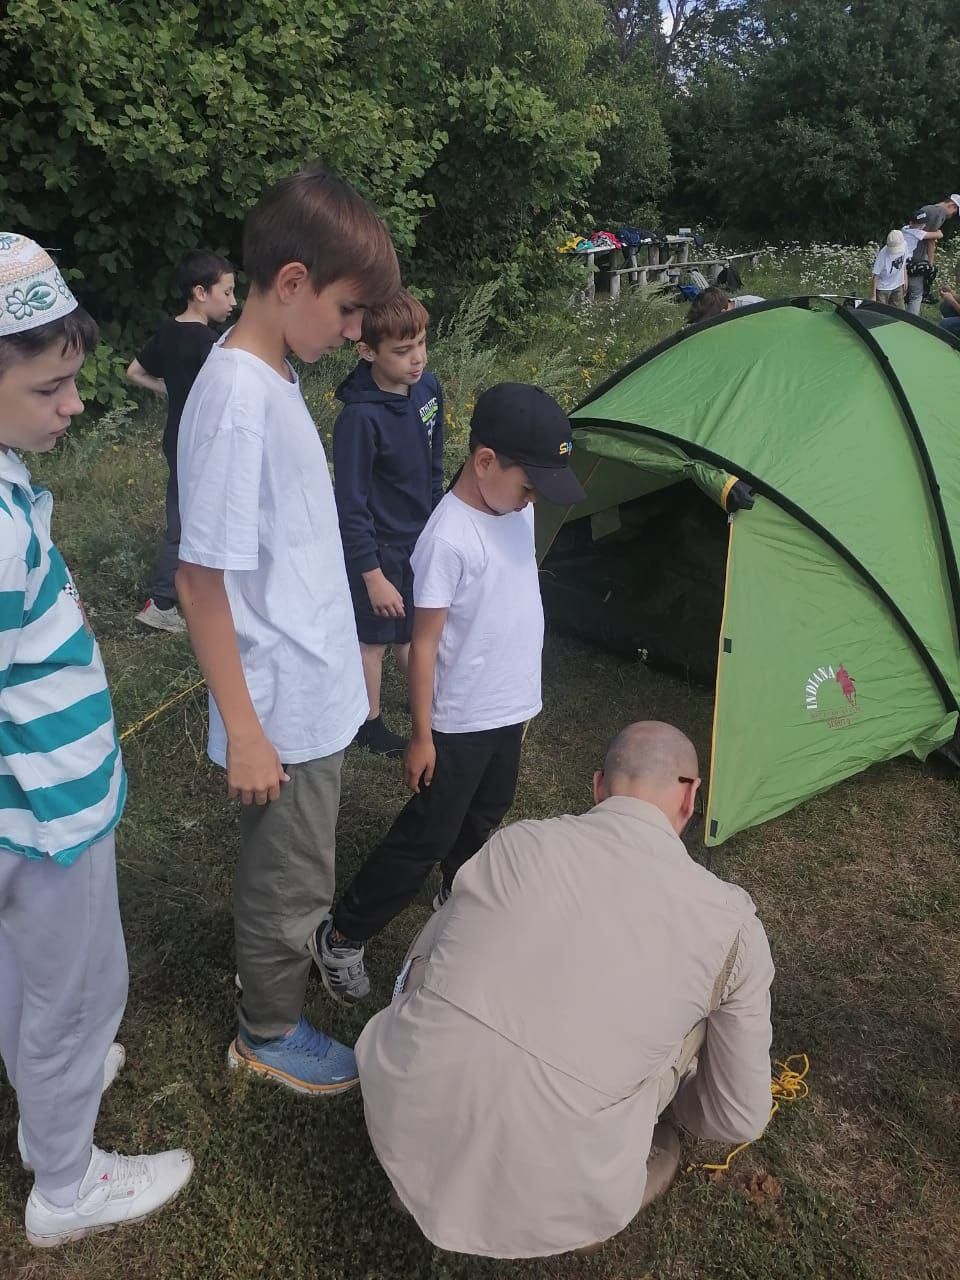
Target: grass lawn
{"x": 858, "y": 889}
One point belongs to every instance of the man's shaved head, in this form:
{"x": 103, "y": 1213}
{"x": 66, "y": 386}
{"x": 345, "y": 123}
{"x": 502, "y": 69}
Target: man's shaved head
{"x": 648, "y": 756}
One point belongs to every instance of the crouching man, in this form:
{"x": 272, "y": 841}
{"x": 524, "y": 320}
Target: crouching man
{"x": 584, "y": 975}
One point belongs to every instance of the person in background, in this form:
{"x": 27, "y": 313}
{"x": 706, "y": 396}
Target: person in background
{"x": 168, "y": 365}
{"x": 950, "y": 306}
{"x": 714, "y": 301}
{"x": 888, "y": 278}
{"x": 928, "y": 220}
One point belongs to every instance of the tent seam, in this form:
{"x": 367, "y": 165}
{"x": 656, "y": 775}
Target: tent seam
{"x": 933, "y": 485}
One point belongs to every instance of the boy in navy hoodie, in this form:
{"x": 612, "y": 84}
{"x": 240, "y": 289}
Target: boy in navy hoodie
{"x": 388, "y": 464}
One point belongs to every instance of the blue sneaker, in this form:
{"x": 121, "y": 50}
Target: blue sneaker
{"x": 306, "y": 1060}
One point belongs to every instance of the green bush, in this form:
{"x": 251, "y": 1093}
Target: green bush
{"x": 131, "y": 132}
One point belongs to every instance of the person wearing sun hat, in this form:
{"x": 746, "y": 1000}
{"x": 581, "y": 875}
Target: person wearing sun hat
{"x": 921, "y": 270}
{"x": 888, "y": 279}
{"x": 63, "y": 964}
{"x": 474, "y": 667}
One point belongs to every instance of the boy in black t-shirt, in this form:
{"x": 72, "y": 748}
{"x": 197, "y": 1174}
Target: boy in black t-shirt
{"x": 168, "y": 365}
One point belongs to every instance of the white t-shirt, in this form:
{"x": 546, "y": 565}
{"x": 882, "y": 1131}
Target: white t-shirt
{"x": 913, "y": 237}
{"x": 888, "y": 268}
{"x": 483, "y": 570}
{"x": 747, "y": 300}
{"x": 256, "y": 501}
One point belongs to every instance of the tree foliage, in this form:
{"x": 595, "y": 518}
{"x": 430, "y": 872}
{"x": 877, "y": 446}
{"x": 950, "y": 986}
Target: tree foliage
{"x": 129, "y": 132}
{"x": 133, "y": 131}
{"x": 819, "y": 118}
{"x": 633, "y": 175}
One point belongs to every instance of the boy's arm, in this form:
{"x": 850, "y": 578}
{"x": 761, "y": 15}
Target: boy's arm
{"x": 931, "y": 237}
{"x": 421, "y": 755}
{"x": 254, "y": 769}
{"x": 437, "y": 460}
{"x": 220, "y": 460}
{"x": 138, "y": 375}
{"x": 354, "y": 452}
{"x": 873, "y": 288}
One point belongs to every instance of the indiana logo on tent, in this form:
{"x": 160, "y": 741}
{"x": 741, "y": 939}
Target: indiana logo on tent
{"x": 831, "y": 695}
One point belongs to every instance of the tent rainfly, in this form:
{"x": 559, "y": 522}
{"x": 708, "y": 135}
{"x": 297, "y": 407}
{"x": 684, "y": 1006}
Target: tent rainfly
{"x": 773, "y": 496}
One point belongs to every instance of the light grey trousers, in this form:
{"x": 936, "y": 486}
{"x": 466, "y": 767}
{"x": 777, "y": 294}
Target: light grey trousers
{"x": 63, "y": 988}
{"x": 282, "y": 890}
{"x": 914, "y": 298}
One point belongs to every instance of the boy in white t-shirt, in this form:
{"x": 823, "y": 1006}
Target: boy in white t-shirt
{"x": 888, "y": 279}
{"x": 263, "y": 587}
{"x": 474, "y": 667}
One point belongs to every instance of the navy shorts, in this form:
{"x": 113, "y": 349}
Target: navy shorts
{"x": 395, "y": 563}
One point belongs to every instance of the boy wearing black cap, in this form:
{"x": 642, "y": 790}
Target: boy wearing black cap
{"x": 474, "y": 668}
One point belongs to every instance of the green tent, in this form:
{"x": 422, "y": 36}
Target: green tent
{"x": 828, "y": 609}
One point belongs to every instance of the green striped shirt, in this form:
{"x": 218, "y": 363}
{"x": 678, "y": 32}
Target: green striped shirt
{"x": 62, "y": 783}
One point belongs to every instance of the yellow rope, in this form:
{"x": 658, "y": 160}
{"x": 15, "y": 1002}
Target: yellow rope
{"x": 789, "y": 1086}
{"x": 152, "y": 715}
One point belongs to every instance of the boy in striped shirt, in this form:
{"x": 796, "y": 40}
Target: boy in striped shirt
{"x": 63, "y": 965}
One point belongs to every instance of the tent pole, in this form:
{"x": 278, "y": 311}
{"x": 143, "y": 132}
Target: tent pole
{"x": 716, "y": 687}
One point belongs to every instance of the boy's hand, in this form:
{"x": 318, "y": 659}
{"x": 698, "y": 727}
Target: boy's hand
{"x": 419, "y": 762}
{"x": 254, "y": 770}
{"x": 385, "y": 600}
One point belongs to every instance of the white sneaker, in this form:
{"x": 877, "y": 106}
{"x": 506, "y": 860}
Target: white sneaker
{"x": 161, "y": 619}
{"x": 112, "y": 1063}
{"x": 116, "y": 1190}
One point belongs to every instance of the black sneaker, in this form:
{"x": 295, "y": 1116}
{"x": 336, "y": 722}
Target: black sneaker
{"x": 376, "y": 737}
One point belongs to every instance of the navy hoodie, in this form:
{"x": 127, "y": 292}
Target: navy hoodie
{"x": 388, "y": 464}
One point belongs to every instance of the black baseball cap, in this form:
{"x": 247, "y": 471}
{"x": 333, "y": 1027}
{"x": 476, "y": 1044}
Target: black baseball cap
{"x": 527, "y": 426}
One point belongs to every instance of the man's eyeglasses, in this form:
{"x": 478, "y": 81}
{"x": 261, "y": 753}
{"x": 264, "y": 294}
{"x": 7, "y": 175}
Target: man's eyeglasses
{"x": 696, "y": 818}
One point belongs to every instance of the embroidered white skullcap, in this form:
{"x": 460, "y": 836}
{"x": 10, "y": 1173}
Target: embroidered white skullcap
{"x": 32, "y": 290}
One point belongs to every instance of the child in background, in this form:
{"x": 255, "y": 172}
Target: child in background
{"x": 714, "y": 301}
{"x": 388, "y": 477}
{"x": 168, "y": 365}
{"x": 950, "y": 306}
{"x": 63, "y": 962}
{"x": 264, "y": 590}
{"x": 474, "y": 668}
{"x": 888, "y": 279}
